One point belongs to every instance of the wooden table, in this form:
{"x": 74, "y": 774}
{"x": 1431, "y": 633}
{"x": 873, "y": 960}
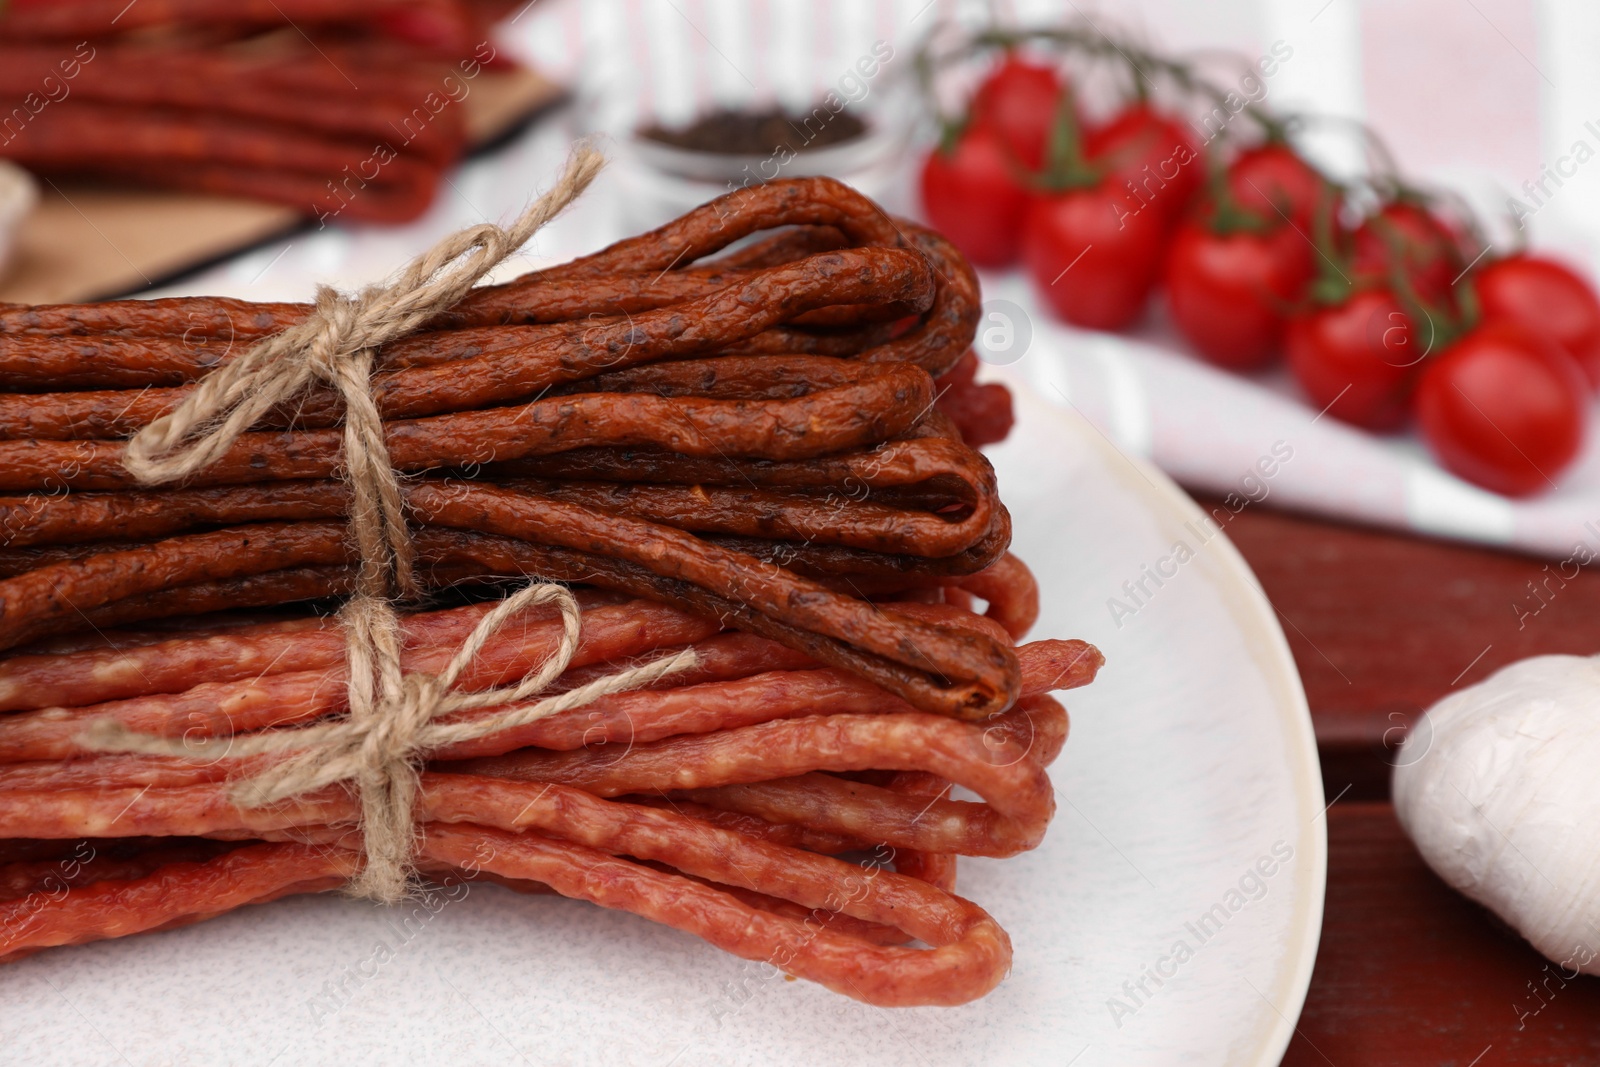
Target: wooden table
{"x": 1382, "y": 625}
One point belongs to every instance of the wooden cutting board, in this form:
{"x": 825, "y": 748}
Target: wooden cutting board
{"x": 89, "y": 242}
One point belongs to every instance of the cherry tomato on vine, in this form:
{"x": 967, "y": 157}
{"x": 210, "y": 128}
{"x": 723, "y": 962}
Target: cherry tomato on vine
{"x": 1229, "y": 292}
{"x": 1413, "y": 239}
{"x": 1504, "y": 407}
{"x": 971, "y": 194}
{"x": 1152, "y": 157}
{"x": 1548, "y": 297}
{"x": 1275, "y": 182}
{"x": 1019, "y": 101}
{"x": 1357, "y": 359}
{"x": 1093, "y": 263}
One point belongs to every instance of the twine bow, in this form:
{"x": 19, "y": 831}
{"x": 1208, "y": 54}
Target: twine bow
{"x": 394, "y": 716}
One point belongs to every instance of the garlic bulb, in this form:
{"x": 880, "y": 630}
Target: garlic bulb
{"x": 1500, "y": 790}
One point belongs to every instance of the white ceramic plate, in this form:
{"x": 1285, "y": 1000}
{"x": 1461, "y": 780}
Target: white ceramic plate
{"x": 1190, "y": 762}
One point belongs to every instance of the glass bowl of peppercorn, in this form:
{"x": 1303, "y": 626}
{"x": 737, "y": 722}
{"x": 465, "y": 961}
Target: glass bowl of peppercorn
{"x": 670, "y": 168}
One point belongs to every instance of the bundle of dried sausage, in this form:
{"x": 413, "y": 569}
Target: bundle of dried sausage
{"x": 739, "y": 454}
{"x": 438, "y": 23}
{"x": 357, "y": 121}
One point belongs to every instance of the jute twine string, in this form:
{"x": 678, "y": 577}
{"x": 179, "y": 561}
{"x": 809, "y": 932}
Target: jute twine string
{"x": 335, "y": 345}
{"x": 393, "y": 720}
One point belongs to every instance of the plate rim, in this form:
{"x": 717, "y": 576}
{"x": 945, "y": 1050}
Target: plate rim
{"x": 1268, "y": 1036}
{"x": 1160, "y": 491}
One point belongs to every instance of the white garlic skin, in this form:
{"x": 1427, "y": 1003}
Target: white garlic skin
{"x": 1500, "y": 791}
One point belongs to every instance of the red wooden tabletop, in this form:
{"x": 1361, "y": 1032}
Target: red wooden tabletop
{"x": 1382, "y": 625}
